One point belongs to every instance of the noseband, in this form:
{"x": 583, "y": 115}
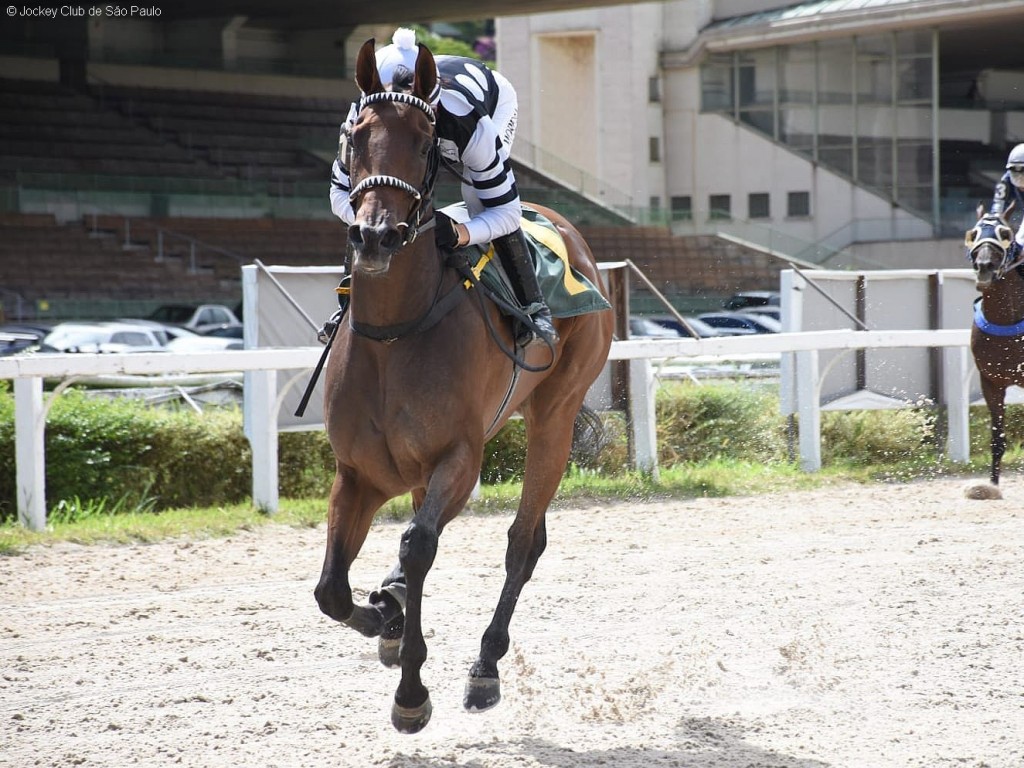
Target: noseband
{"x": 421, "y": 197}
{"x": 993, "y": 231}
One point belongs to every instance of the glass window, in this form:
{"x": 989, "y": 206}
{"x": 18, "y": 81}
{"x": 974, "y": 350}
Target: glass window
{"x": 797, "y": 74}
{"x": 798, "y": 204}
{"x": 682, "y": 207}
{"x": 874, "y": 69}
{"x": 757, "y": 205}
{"x": 757, "y": 82}
{"x": 716, "y": 84}
{"x": 653, "y": 89}
{"x": 654, "y": 148}
{"x": 719, "y": 207}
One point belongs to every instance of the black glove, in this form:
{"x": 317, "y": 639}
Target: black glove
{"x": 445, "y": 234}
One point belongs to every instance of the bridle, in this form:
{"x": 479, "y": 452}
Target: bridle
{"x": 421, "y": 197}
{"x": 992, "y": 230}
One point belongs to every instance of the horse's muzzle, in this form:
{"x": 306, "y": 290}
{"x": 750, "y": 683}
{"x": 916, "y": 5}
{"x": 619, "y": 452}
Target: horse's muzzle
{"x": 374, "y": 245}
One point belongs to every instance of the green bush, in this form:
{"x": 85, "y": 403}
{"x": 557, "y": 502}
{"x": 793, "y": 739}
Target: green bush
{"x": 701, "y": 422}
{"x": 109, "y": 456}
{"x": 877, "y": 437}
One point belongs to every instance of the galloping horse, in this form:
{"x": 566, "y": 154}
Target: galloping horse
{"x": 416, "y": 384}
{"x": 997, "y": 338}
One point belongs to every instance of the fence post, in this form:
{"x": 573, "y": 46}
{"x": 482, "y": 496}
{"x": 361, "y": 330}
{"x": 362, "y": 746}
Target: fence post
{"x": 808, "y": 408}
{"x": 260, "y": 414}
{"x": 642, "y": 419}
{"x": 29, "y": 433}
{"x": 956, "y": 369}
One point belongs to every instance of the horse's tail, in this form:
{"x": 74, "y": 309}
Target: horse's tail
{"x": 588, "y": 437}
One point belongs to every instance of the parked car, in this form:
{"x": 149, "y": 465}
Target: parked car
{"x": 645, "y": 328}
{"x": 740, "y": 323}
{"x": 225, "y": 331}
{"x": 699, "y": 326}
{"x": 104, "y": 337}
{"x": 775, "y": 313}
{"x": 745, "y": 299}
{"x": 165, "y": 332}
{"x": 16, "y": 337}
{"x": 195, "y": 317}
{"x": 219, "y": 337}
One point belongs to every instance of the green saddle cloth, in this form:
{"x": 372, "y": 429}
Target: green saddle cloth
{"x": 567, "y": 292}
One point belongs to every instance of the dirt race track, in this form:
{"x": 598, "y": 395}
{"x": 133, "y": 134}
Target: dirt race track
{"x": 859, "y": 626}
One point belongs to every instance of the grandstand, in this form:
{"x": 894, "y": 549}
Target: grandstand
{"x": 126, "y": 186}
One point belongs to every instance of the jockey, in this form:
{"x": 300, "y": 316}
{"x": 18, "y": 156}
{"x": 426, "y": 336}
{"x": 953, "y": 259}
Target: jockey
{"x": 1012, "y": 180}
{"x": 476, "y": 111}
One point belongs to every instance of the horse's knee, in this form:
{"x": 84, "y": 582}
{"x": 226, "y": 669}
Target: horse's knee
{"x": 418, "y": 548}
{"x": 334, "y": 601}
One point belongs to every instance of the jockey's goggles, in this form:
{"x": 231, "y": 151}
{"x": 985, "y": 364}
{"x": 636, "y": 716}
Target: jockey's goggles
{"x": 1017, "y": 176}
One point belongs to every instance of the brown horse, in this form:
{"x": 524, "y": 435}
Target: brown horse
{"x": 416, "y": 384}
{"x": 997, "y": 338}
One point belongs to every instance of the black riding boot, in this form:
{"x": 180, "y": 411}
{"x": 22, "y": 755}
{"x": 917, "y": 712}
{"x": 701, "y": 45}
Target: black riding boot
{"x": 518, "y": 263}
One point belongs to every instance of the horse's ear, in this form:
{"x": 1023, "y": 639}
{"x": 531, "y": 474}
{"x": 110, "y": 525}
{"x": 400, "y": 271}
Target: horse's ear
{"x": 981, "y": 210}
{"x": 367, "y": 76}
{"x": 426, "y": 73}
{"x": 1009, "y": 210}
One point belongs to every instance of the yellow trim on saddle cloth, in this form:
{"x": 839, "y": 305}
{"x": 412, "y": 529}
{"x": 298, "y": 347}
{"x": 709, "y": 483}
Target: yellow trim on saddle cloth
{"x": 478, "y": 268}
{"x": 553, "y": 241}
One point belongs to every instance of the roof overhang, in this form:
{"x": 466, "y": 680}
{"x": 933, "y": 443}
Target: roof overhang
{"x": 834, "y": 18}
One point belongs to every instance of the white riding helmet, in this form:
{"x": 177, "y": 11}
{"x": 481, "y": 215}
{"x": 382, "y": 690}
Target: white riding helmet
{"x": 402, "y": 52}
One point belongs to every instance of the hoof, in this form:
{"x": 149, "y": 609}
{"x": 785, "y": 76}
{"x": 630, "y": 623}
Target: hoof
{"x": 411, "y": 719}
{"x": 387, "y": 651}
{"x": 982, "y": 491}
{"x": 482, "y": 693}
{"x": 390, "y": 641}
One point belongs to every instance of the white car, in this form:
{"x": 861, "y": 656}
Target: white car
{"x": 195, "y": 317}
{"x": 101, "y": 337}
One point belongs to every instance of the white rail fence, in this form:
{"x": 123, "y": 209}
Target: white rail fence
{"x": 262, "y": 400}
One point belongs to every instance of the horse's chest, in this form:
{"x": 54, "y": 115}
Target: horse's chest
{"x": 999, "y": 358}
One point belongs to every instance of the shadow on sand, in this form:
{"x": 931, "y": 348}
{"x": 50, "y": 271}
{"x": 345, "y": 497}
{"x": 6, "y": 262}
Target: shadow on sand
{"x": 700, "y": 743}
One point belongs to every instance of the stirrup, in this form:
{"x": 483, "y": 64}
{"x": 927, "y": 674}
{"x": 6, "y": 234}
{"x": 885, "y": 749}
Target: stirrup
{"x": 328, "y": 329}
{"x": 545, "y": 332}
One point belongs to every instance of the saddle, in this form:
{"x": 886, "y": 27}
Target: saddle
{"x": 567, "y": 292}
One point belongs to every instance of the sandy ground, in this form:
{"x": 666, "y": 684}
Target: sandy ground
{"x": 861, "y": 626}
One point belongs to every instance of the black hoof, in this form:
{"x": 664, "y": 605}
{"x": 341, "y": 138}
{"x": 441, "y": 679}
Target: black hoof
{"x": 411, "y": 719}
{"x": 482, "y": 693}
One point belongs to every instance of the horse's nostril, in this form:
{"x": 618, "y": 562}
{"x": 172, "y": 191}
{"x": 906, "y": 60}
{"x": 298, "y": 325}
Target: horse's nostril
{"x": 391, "y": 240}
{"x": 355, "y": 234}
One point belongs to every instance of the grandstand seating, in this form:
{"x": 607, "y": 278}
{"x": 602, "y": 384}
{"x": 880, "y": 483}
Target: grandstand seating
{"x": 151, "y": 144}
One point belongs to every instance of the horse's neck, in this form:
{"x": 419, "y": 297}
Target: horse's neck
{"x": 1003, "y": 302}
{"x": 403, "y": 293}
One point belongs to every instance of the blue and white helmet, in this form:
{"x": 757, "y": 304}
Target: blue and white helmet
{"x": 402, "y": 52}
{"x": 1016, "y": 158}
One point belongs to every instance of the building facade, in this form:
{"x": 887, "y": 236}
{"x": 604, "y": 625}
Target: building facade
{"x": 814, "y": 130}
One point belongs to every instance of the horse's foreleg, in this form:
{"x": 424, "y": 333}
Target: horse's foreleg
{"x": 446, "y": 495}
{"x": 546, "y": 457}
{"x": 995, "y": 399}
{"x": 351, "y": 508}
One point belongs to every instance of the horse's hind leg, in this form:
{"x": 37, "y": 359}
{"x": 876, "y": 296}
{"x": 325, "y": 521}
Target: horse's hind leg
{"x": 549, "y": 431}
{"x": 351, "y": 508}
{"x": 392, "y": 592}
{"x": 995, "y": 399}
